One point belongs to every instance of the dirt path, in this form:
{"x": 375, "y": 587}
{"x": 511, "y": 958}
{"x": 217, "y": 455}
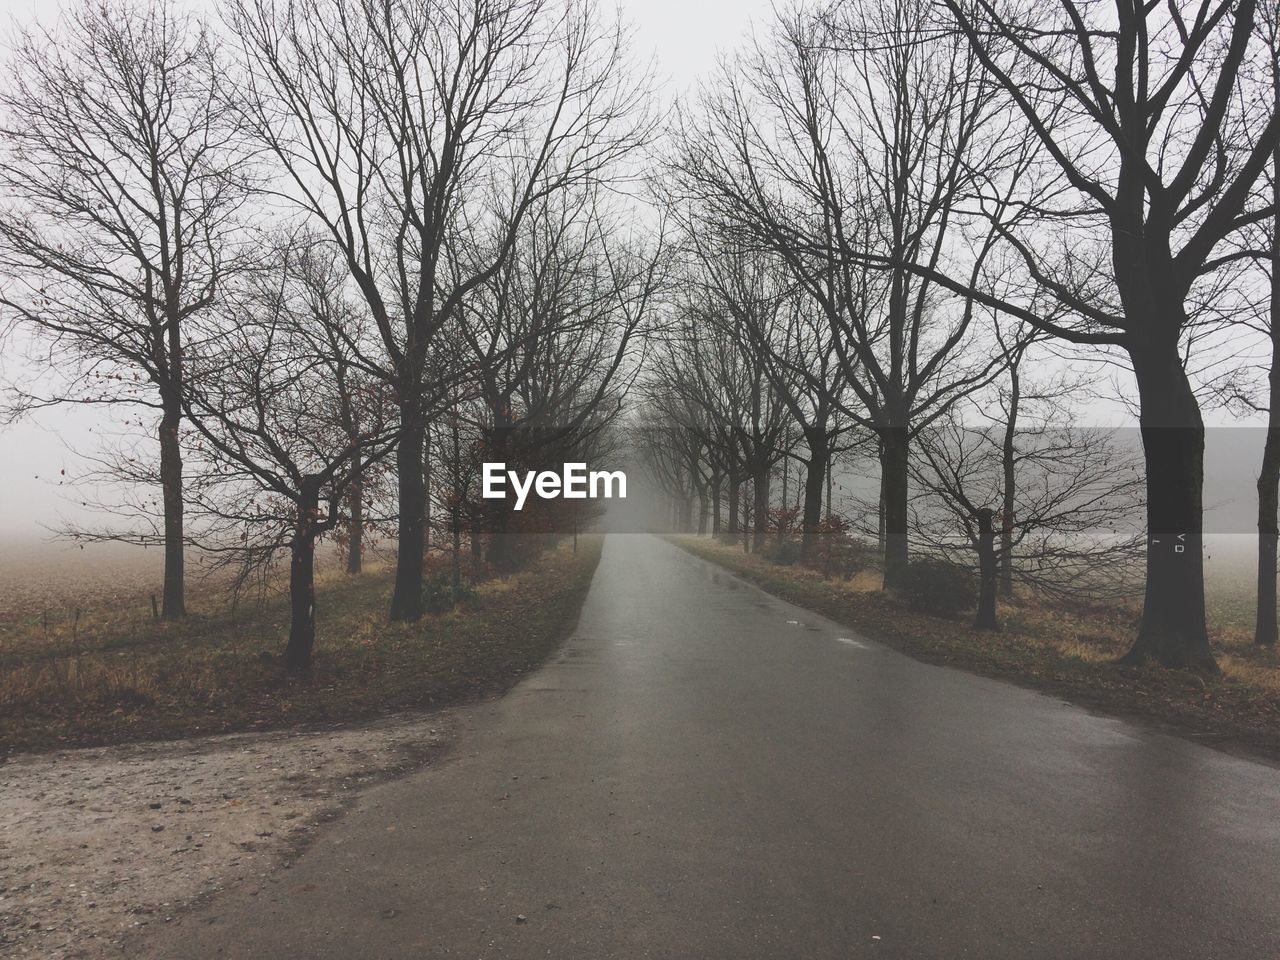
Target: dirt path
{"x": 96, "y": 843}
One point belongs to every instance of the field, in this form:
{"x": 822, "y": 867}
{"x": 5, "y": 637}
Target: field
{"x": 1065, "y": 648}
{"x": 40, "y": 578}
{"x": 1231, "y": 585}
{"x": 83, "y": 661}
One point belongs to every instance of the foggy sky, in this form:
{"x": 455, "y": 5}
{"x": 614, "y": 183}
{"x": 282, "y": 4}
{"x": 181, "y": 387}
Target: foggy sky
{"x": 683, "y": 38}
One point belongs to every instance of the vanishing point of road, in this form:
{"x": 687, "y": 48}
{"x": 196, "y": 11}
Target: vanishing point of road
{"x": 705, "y": 771}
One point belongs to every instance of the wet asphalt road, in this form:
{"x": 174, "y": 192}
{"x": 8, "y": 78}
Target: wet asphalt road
{"x": 707, "y": 772}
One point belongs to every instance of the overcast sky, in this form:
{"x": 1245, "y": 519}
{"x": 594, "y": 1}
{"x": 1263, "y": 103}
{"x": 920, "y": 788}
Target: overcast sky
{"x": 682, "y": 36}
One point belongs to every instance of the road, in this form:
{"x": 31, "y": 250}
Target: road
{"x": 706, "y": 772}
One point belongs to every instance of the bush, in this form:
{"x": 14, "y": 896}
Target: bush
{"x": 439, "y": 596}
{"x": 837, "y": 553}
{"x": 783, "y": 521}
{"x": 785, "y": 553}
{"x": 939, "y": 587}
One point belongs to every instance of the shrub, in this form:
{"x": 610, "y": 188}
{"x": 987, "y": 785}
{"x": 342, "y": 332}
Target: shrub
{"x": 782, "y": 552}
{"x": 783, "y": 521}
{"x": 439, "y": 596}
{"x": 837, "y": 553}
{"x": 939, "y": 587}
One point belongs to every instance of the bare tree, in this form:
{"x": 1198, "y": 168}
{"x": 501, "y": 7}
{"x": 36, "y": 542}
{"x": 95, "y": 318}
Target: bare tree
{"x": 1144, "y": 116}
{"x": 800, "y": 356}
{"x": 556, "y": 336}
{"x": 457, "y": 450}
{"x": 695, "y": 415}
{"x": 403, "y": 124}
{"x": 863, "y": 129}
{"x": 120, "y": 183}
{"x": 1265, "y": 629}
{"x": 670, "y": 449}
{"x": 743, "y": 298}
{"x": 270, "y": 397}
{"x": 1256, "y": 307}
{"x": 1066, "y": 524}
{"x": 322, "y": 286}
{"x": 711, "y": 377}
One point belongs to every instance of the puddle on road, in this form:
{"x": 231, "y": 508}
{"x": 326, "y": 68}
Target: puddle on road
{"x": 808, "y": 626}
{"x": 849, "y": 641}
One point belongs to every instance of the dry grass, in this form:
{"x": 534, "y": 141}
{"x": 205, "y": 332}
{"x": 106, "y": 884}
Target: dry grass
{"x": 1069, "y": 649}
{"x": 114, "y": 673}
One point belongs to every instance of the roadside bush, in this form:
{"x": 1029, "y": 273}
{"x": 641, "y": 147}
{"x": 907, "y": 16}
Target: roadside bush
{"x": 838, "y": 553}
{"x": 785, "y": 553}
{"x": 783, "y": 521}
{"x": 939, "y": 587}
{"x": 439, "y": 596}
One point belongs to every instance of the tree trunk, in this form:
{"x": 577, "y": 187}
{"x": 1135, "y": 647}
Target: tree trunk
{"x": 814, "y": 480}
{"x": 988, "y": 572}
{"x": 501, "y": 552}
{"x": 880, "y": 512}
{"x": 355, "y": 524}
{"x": 455, "y": 524}
{"x": 1264, "y": 631}
{"x": 703, "y": 511}
{"x": 734, "y": 494}
{"x": 1173, "y": 631}
{"x": 302, "y": 592}
{"x": 715, "y": 504}
{"x": 1009, "y": 494}
{"x": 406, "y": 601}
{"x": 760, "y": 508}
{"x": 426, "y": 492}
{"x": 893, "y": 478}
{"x": 174, "y": 604}
{"x": 477, "y": 550}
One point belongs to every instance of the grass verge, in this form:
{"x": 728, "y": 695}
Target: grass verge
{"x": 1064, "y": 649}
{"x": 126, "y": 677}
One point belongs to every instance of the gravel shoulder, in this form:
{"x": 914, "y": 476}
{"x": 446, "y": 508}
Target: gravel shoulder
{"x": 97, "y": 843}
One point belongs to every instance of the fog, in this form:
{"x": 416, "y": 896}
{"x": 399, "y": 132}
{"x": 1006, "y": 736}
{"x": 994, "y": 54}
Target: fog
{"x": 42, "y": 455}
{"x": 34, "y": 492}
